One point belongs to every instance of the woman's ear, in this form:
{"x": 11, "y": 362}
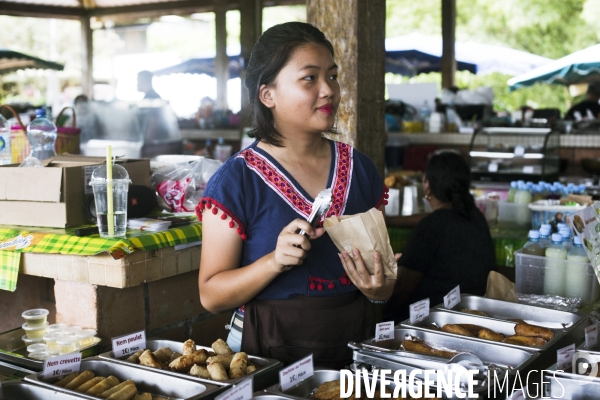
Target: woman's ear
{"x": 265, "y": 95}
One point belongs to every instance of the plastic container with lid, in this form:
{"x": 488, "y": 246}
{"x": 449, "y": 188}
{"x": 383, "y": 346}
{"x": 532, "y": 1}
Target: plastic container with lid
{"x": 566, "y": 234}
{"x": 67, "y": 344}
{"x": 42, "y": 134}
{"x": 35, "y": 332}
{"x": 39, "y": 355}
{"x": 56, "y": 328}
{"x": 29, "y": 342}
{"x": 50, "y": 338}
{"x": 32, "y": 348}
{"x": 85, "y": 337}
{"x": 35, "y": 317}
{"x": 554, "y": 275}
{"x": 545, "y": 240}
{"x": 576, "y": 278}
{"x": 533, "y": 245}
{"x": 71, "y": 330}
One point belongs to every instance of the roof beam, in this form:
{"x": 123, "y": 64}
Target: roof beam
{"x": 40, "y": 11}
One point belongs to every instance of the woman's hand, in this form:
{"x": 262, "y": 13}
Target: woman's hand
{"x": 375, "y": 286}
{"x": 292, "y": 247}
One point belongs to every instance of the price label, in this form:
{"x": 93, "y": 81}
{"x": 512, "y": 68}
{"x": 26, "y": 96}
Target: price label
{"x": 64, "y": 364}
{"x": 591, "y": 337}
{"x": 452, "y": 298}
{"x": 384, "y": 331}
{"x": 419, "y": 310}
{"x": 241, "y": 391}
{"x": 296, "y": 373}
{"x": 128, "y": 344}
{"x": 564, "y": 357}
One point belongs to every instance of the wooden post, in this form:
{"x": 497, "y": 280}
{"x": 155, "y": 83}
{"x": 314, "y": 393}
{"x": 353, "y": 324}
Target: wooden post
{"x": 448, "y": 38}
{"x": 250, "y": 30}
{"x": 87, "y": 55}
{"x": 356, "y": 28}
{"x": 221, "y": 61}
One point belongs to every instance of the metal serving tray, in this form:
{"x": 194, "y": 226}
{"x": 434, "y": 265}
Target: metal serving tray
{"x": 512, "y": 359}
{"x": 441, "y": 318}
{"x": 14, "y": 351}
{"x": 10, "y": 372}
{"x": 569, "y": 386}
{"x": 595, "y": 350}
{"x": 265, "y": 376}
{"x": 154, "y": 381}
{"x": 508, "y": 311}
{"x": 27, "y": 391}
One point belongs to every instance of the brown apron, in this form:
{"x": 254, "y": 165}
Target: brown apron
{"x": 288, "y": 330}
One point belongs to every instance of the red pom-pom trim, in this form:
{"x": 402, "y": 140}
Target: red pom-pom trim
{"x": 319, "y": 287}
{"x": 208, "y": 205}
{"x": 223, "y": 216}
{"x": 331, "y": 285}
{"x": 239, "y": 231}
{"x": 312, "y": 286}
{"x": 244, "y": 237}
{"x": 385, "y": 202}
{"x": 231, "y": 224}
{"x": 215, "y": 211}
{"x": 343, "y": 281}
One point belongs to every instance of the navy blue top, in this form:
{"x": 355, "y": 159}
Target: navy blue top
{"x": 254, "y": 194}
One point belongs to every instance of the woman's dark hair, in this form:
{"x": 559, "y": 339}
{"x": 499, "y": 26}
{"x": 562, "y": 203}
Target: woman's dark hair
{"x": 270, "y": 54}
{"x": 449, "y": 179}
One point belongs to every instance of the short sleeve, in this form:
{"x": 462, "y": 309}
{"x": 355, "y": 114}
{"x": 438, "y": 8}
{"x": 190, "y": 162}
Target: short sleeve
{"x": 420, "y": 251}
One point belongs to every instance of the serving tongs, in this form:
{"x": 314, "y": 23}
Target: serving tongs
{"x": 321, "y": 205}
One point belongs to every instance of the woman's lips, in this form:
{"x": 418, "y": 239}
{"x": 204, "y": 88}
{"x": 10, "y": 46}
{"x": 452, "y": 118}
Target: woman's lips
{"x": 327, "y": 108}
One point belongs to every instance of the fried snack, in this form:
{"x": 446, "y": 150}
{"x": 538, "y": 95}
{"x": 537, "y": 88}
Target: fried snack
{"x": 143, "y": 396}
{"x": 238, "y": 365}
{"x": 188, "y": 347}
{"x": 223, "y": 360}
{"x": 200, "y": 371}
{"x": 175, "y": 355}
{"x": 135, "y": 357}
{"x": 64, "y": 381}
{"x": 216, "y": 370}
{"x": 182, "y": 364}
{"x": 490, "y": 335}
{"x": 534, "y": 331}
{"x": 251, "y": 368}
{"x": 328, "y": 390}
{"x": 149, "y": 359}
{"x": 221, "y": 348}
{"x": 89, "y": 384}
{"x": 116, "y": 389}
{"x": 420, "y": 347}
{"x": 127, "y": 393}
{"x": 199, "y": 356}
{"x": 163, "y": 355}
{"x": 474, "y": 329}
{"x": 80, "y": 379}
{"x": 474, "y": 312}
{"x": 525, "y": 340}
{"x": 517, "y": 320}
{"x": 457, "y": 329}
{"x": 103, "y": 386}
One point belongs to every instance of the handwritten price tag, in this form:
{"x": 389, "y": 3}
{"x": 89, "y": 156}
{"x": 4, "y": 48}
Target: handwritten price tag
{"x": 452, "y": 298}
{"x": 64, "y": 364}
{"x": 564, "y": 357}
{"x": 591, "y": 337}
{"x": 384, "y": 331}
{"x": 241, "y": 391}
{"x": 128, "y": 344}
{"x": 419, "y": 310}
{"x": 296, "y": 373}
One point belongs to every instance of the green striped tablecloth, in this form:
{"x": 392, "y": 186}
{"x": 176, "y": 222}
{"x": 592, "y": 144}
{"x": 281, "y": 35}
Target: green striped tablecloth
{"x": 15, "y": 240}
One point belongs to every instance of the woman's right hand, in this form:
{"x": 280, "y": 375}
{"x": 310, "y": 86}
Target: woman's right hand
{"x": 291, "y": 246}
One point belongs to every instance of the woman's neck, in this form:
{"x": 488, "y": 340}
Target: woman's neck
{"x": 437, "y": 204}
{"x": 299, "y": 148}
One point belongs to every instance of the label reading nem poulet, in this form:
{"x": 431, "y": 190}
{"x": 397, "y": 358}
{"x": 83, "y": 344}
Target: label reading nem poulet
{"x": 64, "y": 364}
{"x": 564, "y": 357}
{"x": 384, "y": 331}
{"x": 296, "y": 373}
{"x": 241, "y": 391}
{"x": 126, "y": 345}
{"x": 452, "y": 298}
{"x": 419, "y": 310}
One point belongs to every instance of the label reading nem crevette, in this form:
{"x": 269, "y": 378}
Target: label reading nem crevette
{"x": 64, "y": 364}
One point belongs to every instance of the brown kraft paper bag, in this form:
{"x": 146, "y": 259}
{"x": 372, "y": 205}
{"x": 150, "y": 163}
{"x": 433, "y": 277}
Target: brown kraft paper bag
{"x": 367, "y": 233}
{"x": 500, "y": 287}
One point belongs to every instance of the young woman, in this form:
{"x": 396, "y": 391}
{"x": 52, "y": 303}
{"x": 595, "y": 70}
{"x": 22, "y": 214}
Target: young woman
{"x": 297, "y": 294}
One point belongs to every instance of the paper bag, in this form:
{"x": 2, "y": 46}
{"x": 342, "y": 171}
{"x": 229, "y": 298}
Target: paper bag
{"x": 367, "y": 233}
{"x": 500, "y": 287}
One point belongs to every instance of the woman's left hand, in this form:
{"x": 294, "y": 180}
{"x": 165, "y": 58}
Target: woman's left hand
{"x": 375, "y": 286}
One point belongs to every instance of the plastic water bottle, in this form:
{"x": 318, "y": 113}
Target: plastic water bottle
{"x": 425, "y": 114}
{"x": 42, "y": 133}
{"x": 566, "y": 234}
{"x": 533, "y": 245}
{"x": 554, "y": 274}
{"x": 577, "y": 281}
{"x": 5, "y": 149}
{"x": 511, "y": 192}
{"x": 545, "y": 236}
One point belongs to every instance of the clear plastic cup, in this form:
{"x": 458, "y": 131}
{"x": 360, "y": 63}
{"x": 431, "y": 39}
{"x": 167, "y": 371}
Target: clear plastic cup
{"x": 35, "y": 332}
{"x": 35, "y": 317}
{"x": 68, "y": 344}
{"x": 85, "y": 338}
{"x": 38, "y": 355}
{"x": 117, "y": 187}
{"x": 50, "y": 338}
{"x": 29, "y": 342}
{"x": 56, "y": 328}
{"x": 33, "y": 348}
{"x": 71, "y": 330}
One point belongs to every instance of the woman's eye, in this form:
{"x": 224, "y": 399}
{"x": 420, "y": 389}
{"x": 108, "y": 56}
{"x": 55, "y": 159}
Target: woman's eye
{"x": 333, "y": 77}
{"x": 309, "y": 78}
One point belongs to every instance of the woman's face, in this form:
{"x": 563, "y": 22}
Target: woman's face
{"x": 306, "y": 94}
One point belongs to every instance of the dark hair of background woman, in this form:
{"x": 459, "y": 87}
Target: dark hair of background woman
{"x": 270, "y": 54}
{"x": 449, "y": 179}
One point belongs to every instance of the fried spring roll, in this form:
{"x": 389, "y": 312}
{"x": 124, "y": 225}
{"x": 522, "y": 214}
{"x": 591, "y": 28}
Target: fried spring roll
{"x": 238, "y": 365}
{"x": 127, "y": 393}
{"x": 225, "y": 361}
{"x": 217, "y": 371}
{"x": 474, "y": 329}
{"x": 459, "y": 330}
{"x": 149, "y": 359}
{"x": 490, "y": 335}
{"x": 188, "y": 347}
{"x": 474, "y": 312}
{"x": 221, "y": 348}
{"x": 525, "y": 340}
{"x": 200, "y": 371}
{"x": 80, "y": 379}
{"x": 135, "y": 357}
{"x": 418, "y": 346}
{"x": 182, "y": 364}
{"x": 64, "y": 381}
{"x": 163, "y": 355}
{"x": 117, "y": 388}
{"x": 534, "y": 331}
{"x": 89, "y": 384}
{"x": 143, "y": 396}
{"x": 103, "y": 386}
{"x": 251, "y": 368}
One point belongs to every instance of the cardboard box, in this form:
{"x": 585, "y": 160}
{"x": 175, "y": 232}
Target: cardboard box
{"x": 53, "y": 196}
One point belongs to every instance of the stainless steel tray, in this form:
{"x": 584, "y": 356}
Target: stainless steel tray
{"x": 512, "y": 359}
{"x": 153, "y": 381}
{"x": 595, "y": 350}
{"x": 508, "y": 311}
{"x": 266, "y": 375}
{"x": 27, "y": 391}
{"x": 507, "y": 328}
{"x": 14, "y": 351}
{"x": 569, "y": 386}
{"x": 10, "y": 372}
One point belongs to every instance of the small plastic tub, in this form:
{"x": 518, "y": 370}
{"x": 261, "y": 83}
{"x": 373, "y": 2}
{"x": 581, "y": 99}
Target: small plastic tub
{"x": 38, "y": 355}
{"x": 56, "y": 328}
{"x": 35, "y": 332}
{"x": 71, "y": 330}
{"x": 36, "y": 317}
{"x": 85, "y": 338}
{"x": 34, "y": 348}
{"x": 50, "y": 338}
{"x": 29, "y": 342}
{"x": 67, "y": 344}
